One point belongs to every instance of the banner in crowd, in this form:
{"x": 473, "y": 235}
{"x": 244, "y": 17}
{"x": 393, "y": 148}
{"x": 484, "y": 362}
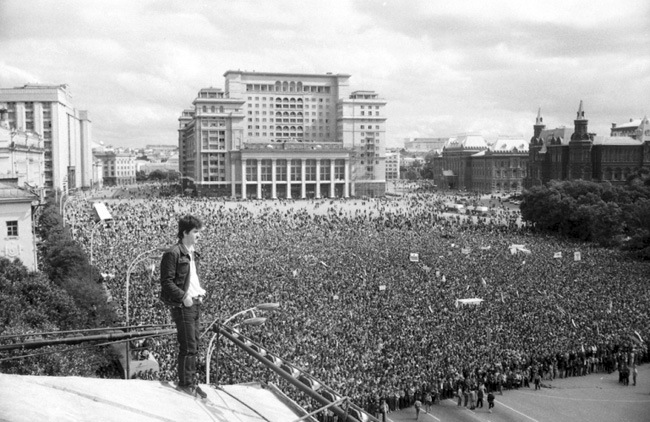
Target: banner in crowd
{"x": 514, "y": 249}
{"x": 557, "y": 255}
{"x": 382, "y": 287}
{"x": 414, "y": 257}
{"x": 470, "y": 301}
{"x": 577, "y": 256}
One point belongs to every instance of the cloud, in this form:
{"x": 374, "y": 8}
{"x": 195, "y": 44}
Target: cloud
{"x": 443, "y": 67}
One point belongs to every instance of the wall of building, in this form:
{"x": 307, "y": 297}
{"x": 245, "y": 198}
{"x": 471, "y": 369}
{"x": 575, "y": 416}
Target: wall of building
{"x": 290, "y": 111}
{"x": 20, "y": 246}
{"x": 48, "y": 110}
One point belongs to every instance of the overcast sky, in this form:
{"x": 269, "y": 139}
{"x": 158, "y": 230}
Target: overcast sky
{"x": 445, "y": 67}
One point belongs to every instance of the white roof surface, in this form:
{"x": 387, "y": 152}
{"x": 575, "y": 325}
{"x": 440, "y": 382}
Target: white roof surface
{"x": 615, "y": 140}
{"x": 467, "y": 141}
{"x": 632, "y": 123}
{"x": 41, "y": 398}
{"x": 510, "y": 144}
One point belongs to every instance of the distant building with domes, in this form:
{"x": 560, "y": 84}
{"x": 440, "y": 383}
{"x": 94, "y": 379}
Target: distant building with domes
{"x": 575, "y": 154}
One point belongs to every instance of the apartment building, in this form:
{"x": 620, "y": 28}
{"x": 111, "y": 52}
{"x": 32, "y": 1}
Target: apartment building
{"x": 49, "y": 112}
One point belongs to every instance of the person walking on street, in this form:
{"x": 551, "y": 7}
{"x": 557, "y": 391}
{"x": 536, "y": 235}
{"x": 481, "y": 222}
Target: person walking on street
{"x": 490, "y": 399}
{"x": 418, "y": 406}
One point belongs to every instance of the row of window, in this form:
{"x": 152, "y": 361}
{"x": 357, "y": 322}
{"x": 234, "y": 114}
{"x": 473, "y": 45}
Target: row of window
{"x": 286, "y": 114}
{"x": 288, "y": 87}
{"x": 295, "y": 168}
{"x": 290, "y": 99}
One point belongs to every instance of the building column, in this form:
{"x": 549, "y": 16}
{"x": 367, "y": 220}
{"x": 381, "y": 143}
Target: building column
{"x": 288, "y": 178}
{"x": 346, "y": 186}
{"x": 332, "y": 190}
{"x": 317, "y": 179}
{"x": 303, "y": 188}
{"x": 259, "y": 179}
{"x": 233, "y": 184}
{"x": 274, "y": 193}
{"x": 243, "y": 178}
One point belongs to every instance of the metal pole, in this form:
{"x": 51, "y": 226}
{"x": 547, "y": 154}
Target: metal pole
{"x": 216, "y": 370}
{"x": 343, "y": 414}
{"x": 126, "y": 324}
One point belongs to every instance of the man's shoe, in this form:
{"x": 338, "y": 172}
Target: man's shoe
{"x": 192, "y": 391}
{"x": 187, "y": 389}
{"x": 200, "y": 393}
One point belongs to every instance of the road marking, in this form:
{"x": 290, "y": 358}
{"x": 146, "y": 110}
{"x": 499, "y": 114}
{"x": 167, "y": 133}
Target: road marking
{"x": 584, "y": 399}
{"x": 429, "y": 414}
{"x": 516, "y": 411}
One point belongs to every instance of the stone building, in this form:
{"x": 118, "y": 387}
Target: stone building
{"x": 49, "y": 112}
{"x": 575, "y": 154}
{"x": 281, "y": 135}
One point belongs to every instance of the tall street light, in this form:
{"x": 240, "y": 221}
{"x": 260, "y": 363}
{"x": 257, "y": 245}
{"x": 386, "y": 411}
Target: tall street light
{"x": 254, "y": 321}
{"x": 102, "y": 216}
{"x": 135, "y": 261}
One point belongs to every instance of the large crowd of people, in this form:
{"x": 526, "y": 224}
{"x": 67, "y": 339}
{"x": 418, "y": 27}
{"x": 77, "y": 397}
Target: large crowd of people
{"x": 369, "y": 292}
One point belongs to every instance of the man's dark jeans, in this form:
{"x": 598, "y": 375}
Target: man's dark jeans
{"x": 187, "y": 325}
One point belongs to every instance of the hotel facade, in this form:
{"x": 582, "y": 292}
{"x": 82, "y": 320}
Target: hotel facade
{"x": 281, "y": 135}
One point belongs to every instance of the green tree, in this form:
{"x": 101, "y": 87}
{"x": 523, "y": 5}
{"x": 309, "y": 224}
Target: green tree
{"x": 157, "y": 175}
{"x": 597, "y": 212}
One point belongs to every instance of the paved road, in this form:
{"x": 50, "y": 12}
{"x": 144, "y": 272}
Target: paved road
{"x": 593, "y": 398}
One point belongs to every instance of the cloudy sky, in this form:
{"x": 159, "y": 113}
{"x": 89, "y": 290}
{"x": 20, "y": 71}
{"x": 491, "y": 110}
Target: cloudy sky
{"x": 445, "y": 67}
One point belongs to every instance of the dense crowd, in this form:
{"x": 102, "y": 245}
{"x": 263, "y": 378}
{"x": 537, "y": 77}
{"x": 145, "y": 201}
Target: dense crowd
{"x": 365, "y": 315}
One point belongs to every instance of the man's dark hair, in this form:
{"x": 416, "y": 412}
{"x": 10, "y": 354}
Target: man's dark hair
{"x": 186, "y": 224}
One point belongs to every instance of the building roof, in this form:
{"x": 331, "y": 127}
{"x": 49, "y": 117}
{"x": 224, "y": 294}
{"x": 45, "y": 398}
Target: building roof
{"x": 510, "y": 144}
{"x": 632, "y": 124}
{"x": 616, "y": 140}
{"x": 468, "y": 141}
{"x": 280, "y": 74}
{"x": 81, "y": 399}
{"x": 563, "y": 134}
{"x": 9, "y": 192}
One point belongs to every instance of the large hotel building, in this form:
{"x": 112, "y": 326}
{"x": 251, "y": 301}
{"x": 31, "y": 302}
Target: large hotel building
{"x": 281, "y": 135}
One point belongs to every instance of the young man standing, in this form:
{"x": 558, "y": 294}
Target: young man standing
{"x": 182, "y": 291}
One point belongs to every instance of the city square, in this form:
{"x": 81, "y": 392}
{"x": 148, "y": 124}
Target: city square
{"x": 356, "y": 210}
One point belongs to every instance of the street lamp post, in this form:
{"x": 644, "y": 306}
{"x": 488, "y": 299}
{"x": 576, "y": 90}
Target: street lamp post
{"x": 126, "y": 318}
{"x": 92, "y": 237}
{"x": 254, "y": 321}
{"x": 101, "y": 219}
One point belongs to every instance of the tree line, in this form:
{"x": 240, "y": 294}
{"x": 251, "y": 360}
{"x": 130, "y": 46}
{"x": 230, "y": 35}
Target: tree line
{"x": 64, "y": 295}
{"x": 614, "y": 216}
